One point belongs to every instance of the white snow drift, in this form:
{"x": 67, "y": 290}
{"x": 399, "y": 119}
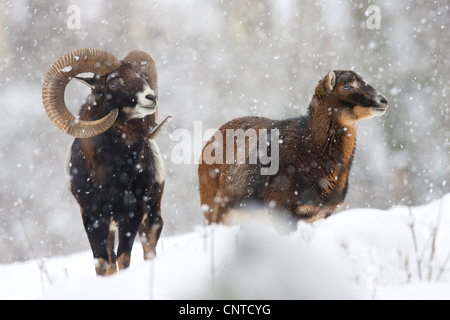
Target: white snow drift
{"x": 401, "y": 253}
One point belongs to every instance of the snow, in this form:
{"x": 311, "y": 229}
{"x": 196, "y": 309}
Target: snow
{"x": 217, "y": 61}
{"x": 354, "y": 254}
{"x": 220, "y": 60}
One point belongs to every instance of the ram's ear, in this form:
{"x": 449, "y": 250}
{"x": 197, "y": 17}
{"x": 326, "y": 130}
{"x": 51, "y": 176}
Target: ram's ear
{"x": 330, "y": 81}
{"x": 91, "y": 82}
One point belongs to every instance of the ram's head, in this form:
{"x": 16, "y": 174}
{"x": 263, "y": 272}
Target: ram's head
{"x": 127, "y": 88}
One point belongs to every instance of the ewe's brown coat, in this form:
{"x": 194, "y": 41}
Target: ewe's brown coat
{"x": 315, "y": 155}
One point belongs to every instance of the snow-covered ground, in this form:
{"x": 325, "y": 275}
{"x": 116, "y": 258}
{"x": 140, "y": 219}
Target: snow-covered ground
{"x": 400, "y": 253}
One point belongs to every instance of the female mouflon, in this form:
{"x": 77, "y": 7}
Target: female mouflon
{"x": 315, "y": 155}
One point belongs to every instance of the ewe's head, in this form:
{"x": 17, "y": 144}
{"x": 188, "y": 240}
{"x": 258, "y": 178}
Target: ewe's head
{"x": 349, "y": 98}
{"x": 127, "y": 88}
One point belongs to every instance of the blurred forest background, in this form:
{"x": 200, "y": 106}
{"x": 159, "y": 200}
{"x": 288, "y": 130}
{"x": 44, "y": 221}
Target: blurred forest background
{"x": 218, "y": 60}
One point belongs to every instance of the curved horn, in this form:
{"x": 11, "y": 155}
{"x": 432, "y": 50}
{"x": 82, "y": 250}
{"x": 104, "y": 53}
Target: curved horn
{"x": 146, "y": 65}
{"x": 61, "y": 72}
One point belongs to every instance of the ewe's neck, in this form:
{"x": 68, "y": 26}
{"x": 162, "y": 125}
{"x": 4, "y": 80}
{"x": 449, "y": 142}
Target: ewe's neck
{"x": 330, "y": 138}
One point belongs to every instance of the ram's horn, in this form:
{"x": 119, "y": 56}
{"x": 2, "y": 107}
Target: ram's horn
{"x": 158, "y": 128}
{"x": 61, "y": 72}
{"x": 146, "y": 65}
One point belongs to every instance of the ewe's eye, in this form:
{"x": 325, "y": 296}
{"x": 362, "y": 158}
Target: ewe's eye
{"x": 347, "y": 87}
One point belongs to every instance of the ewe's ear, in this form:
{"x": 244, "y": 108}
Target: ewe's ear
{"x": 330, "y": 81}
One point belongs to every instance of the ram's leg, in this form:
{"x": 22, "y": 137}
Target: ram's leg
{"x": 101, "y": 239}
{"x": 152, "y": 223}
{"x": 149, "y": 233}
{"x": 127, "y": 233}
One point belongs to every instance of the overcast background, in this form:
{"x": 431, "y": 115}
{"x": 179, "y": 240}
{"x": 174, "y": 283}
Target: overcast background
{"x": 218, "y": 60}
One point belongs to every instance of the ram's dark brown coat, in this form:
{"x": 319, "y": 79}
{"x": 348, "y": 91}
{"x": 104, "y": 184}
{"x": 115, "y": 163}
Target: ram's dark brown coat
{"x": 115, "y": 170}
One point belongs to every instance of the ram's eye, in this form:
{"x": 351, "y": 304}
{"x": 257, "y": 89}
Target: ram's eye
{"x": 347, "y": 87}
{"x": 114, "y": 84}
